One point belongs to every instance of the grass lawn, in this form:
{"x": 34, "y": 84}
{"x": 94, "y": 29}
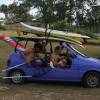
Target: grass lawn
{"x": 90, "y": 50}
{"x": 9, "y": 32}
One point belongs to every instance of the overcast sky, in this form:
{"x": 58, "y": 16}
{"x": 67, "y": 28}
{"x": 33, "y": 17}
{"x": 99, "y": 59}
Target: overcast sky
{"x": 7, "y": 2}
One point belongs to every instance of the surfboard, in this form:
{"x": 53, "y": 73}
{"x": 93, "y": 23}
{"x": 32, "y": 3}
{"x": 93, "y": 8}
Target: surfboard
{"x": 11, "y": 42}
{"x": 56, "y": 32}
{"x": 75, "y": 35}
{"x": 51, "y": 33}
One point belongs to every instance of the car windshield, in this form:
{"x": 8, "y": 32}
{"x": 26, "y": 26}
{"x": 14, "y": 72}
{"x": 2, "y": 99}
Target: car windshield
{"x": 77, "y": 51}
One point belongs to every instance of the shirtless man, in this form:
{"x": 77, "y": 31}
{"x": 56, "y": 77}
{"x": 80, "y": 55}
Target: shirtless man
{"x": 31, "y": 54}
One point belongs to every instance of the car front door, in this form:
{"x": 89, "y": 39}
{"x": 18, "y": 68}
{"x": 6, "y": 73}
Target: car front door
{"x": 69, "y": 72}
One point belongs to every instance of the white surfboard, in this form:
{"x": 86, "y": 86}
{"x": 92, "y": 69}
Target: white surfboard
{"x": 40, "y": 31}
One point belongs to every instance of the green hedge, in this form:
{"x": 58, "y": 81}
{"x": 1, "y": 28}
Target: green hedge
{"x": 2, "y": 27}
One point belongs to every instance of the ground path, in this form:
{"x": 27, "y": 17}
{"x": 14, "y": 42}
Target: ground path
{"x": 47, "y": 91}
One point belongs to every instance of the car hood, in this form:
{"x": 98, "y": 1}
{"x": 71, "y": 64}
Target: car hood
{"x": 93, "y": 61}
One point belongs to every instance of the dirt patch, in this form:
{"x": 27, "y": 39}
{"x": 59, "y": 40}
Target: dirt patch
{"x": 48, "y": 91}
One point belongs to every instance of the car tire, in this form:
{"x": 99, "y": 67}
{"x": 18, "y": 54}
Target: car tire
{"x": 18, "y": 80}
{"x": 91, "y": 80}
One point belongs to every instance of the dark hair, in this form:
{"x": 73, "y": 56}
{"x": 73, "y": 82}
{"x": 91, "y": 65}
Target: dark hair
{"x": 37, "y": 45}
{"x": 57, "y": 48}
{"x": 61, "y": 43}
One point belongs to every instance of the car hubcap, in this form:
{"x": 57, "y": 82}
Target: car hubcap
{"x": 92, "y": 81}
{"x": 16, "y": 77}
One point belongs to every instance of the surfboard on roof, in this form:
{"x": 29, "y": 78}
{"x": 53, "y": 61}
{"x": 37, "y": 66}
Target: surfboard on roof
{"x": 40, "y": 31}
{"x": 28, "y": 38}
{"x": 50, "y": 33}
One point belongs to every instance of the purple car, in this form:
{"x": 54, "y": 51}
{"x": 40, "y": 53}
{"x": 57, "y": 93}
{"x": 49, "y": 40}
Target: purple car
{"x": 79, "y": 68}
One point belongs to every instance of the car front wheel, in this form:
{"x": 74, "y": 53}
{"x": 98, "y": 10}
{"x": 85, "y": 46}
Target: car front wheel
{"x": 91, "y": 79}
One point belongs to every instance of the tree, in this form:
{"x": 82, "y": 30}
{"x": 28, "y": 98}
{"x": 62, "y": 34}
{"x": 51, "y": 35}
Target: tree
{"x": 16, "y": 12}
{"x": 19, "y": 12}
{"x": 94, "y": 19}
{"x": 50, "y": 11}
{"x": 60, "y": 25}
{"x": 4, "y": 9}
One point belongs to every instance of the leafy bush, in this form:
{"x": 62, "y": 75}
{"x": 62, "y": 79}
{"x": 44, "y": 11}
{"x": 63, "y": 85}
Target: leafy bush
{"x": 2, "y": 27}
{"x": 60, "y": 25}
{"x": 85, "y": 32}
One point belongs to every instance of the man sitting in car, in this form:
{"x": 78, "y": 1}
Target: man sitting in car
{"x": 32, "y": 54}
{"x": 56, "y": 59}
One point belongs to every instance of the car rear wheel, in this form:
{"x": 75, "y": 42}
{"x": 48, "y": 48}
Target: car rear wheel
{"x": 91, "y": 79}
{"x": 17, "y": 76}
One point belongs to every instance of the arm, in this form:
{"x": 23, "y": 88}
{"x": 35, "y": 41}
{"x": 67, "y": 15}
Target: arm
{"x": 27, "y": 55}
{"x": 54, "y": 59}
